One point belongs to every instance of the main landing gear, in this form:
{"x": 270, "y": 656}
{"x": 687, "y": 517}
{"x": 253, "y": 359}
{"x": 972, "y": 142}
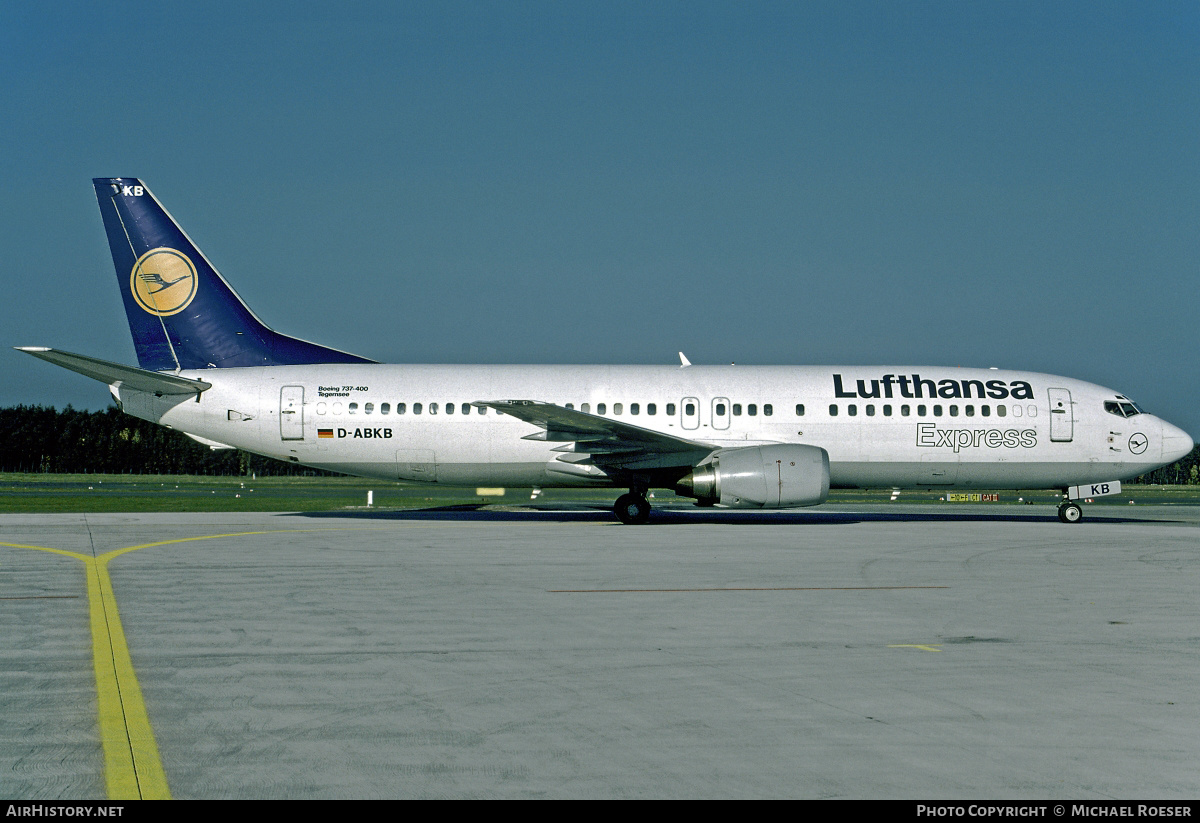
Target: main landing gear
{"x": 632, "y": 509}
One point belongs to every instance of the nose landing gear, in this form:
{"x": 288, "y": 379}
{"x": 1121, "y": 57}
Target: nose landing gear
{"x": 1069, "y": 511}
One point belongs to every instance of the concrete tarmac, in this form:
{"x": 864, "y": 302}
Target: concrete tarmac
{"x": 898, "y": 651}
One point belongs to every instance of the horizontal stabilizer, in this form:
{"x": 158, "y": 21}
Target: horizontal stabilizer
{"x": 115, "y": 374}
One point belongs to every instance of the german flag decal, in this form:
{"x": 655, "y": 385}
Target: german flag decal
{"x": 324, "y": 432}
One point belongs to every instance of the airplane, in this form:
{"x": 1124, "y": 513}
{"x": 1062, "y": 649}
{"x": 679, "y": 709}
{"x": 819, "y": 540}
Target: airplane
{"x": 760, "y": 437}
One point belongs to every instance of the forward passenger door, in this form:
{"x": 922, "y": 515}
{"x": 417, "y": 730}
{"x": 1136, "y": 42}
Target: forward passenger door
{"x": 1062, "y": 416}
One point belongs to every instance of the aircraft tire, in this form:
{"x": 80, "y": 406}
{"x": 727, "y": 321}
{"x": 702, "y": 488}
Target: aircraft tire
{"x": 632, "y": 509}
{"x": 1070, "y": 513}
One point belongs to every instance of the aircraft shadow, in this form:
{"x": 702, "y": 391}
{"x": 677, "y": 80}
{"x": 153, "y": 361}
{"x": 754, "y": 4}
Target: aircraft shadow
{"x": 670, "y": 516}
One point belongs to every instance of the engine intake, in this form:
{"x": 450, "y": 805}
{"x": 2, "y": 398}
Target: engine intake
{"x": 760, "y": 477}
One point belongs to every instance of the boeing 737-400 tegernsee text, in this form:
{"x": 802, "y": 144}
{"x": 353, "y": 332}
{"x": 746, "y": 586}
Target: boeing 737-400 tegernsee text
{"x": 750, "y": 437}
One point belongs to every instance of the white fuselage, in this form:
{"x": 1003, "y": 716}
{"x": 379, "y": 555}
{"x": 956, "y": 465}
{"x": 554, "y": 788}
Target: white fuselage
{"x": 906, "y": 427}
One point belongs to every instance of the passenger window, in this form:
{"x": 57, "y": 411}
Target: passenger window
{"x": 482, "y": 409}
{"x": 433, "y": 408}
{"x": 384, "y": 408}
{"x": 634, "y": 408}
{"x": 601, "y": 408}
{"x": 986, "y": 411}
{"x": 737, "y": 409}
{"x": 416, "y": 408}
{"x": 353, "y": 407}
{"x": 870, "y": 410}
{"x": 449, "y": 408}
{"x": 768, "y": 409}
{"x": 752, "y": 410}
{"x": 720, "y": 410}
{"x": 833, "y": 409}
{"x": 953, "y": 411}
{"x": 799, "y": 409}
{"x": 618, "y": 408}
{"x": 586, "y": 408}
{"x": 920, "y": 411}
{"x": 852, "y": 410}
{"x": 689, "y": 409}
{"x": 337, "y": 406}
{"x": 1016, "y": 411}
{"x": 1001, "y": 410}
{"x": 887, "y": 410}
{"x": 368, "y": 408}
{"x": 1031, "y": 411}
{"x": 651, "y": 408}
{"x": 670, "y": 410}
{"x": 401, "y": 408}
{"x": 320, "y": 408}
{"x": 970, "y": 410}
{"x": 905, "y": 410}
{"x": 570, "y": 406}
{"x": 937, "y": 411}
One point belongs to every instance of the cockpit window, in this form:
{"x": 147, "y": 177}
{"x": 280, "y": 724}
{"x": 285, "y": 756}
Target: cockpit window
{"x": 1122, "y": 407}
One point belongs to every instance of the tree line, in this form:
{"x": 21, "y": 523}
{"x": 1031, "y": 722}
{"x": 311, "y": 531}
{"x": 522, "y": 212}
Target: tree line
{"x": 41, "y": 439}
{"x": 1185, "y": 472}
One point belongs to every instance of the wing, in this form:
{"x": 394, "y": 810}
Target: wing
{"x": 600, "y": 441}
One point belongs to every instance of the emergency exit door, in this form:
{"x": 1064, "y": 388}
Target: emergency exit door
{"x": 689, "y": 413}
{"x": 720, "y": 413}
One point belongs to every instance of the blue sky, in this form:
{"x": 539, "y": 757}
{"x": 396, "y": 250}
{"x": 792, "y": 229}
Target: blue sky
{"x": 981, "y": 184}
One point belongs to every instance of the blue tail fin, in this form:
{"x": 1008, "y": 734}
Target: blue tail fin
{"x": 182, "y": 313}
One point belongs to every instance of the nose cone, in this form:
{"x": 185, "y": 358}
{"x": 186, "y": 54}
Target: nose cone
{"x": 1176, "y": 443}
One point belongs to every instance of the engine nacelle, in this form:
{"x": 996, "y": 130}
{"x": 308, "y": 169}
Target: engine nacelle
{"x": 761, "y": 477}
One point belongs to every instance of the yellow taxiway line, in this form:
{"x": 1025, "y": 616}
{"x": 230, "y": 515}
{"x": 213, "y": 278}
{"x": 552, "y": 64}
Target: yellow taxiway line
{"x": 132, "y": 767}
